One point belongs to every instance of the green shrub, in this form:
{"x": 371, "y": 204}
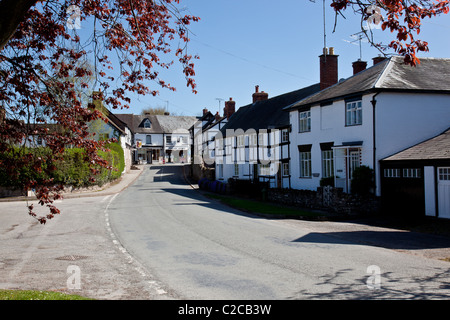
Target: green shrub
{"x": 362, "y": 181}
{"x": 329, "y": 181}
{"x": 72, "y": 170}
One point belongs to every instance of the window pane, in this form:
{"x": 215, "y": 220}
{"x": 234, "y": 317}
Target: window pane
{"x": 305, "y": 164}
{"x": 353, "y": 114}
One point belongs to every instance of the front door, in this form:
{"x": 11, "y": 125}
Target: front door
{"x": 444, "y": 192}
{"x": 149, "y": 156}
{"x": 346, "y": 160}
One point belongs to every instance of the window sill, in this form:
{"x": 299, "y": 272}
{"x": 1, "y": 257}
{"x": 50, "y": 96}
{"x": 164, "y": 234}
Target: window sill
{"x": 353, "y": 125}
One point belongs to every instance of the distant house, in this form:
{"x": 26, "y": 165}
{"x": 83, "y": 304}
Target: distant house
{"x": 99, "y": 129}
{"x": 365, "y": 118}
{"x": 113, "y": 128}
{"x": 210, "y": 132}
{"x": 159, "y": 138}
{"x": 254, "y": 143}
{"x": 416, "y": 181}
{"x": 202, "y": 135}
{"x": 39, "y": 132}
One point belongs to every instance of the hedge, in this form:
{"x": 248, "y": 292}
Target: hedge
{"x": 73, "y": 170}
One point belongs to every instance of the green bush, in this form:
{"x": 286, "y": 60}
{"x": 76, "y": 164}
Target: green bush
{"x": 72, "y": 170}
{"x": 362, "y": 181}
{"x": 24, "y": 170}
{"x": 119, "y": 159}
{"x": 116, "y": 159}
{"x": 329, "y": 181}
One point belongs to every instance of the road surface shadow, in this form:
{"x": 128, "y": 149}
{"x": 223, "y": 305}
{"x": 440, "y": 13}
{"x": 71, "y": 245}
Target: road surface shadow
{"x": 398, "y": 240}
{"x": 172, "y": 173}
{"x": 388, "y": 285}
{"x": 393, "y": 239}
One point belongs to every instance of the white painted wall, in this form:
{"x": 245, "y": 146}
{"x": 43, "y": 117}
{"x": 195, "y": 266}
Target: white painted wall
{"x": 245, "y": 155}
{"x": 402, "y": 120}
{"x": 328, "y": 125}
{"x": 157, "y": 138}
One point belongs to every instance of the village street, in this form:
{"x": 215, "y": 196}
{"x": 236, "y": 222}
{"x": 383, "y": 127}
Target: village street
{"x": 161, "y": 239}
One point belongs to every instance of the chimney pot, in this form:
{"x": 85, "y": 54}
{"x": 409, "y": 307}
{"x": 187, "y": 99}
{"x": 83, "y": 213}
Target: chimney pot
{"x": 259, "y": 96}
{"x": 230, "y": 107}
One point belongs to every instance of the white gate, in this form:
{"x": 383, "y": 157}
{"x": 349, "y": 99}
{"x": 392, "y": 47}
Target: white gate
{"x": 444, "y": 192}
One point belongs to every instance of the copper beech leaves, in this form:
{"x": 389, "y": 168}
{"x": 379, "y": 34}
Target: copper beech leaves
{"x": 403, "y": 18}
{"x": 48, "y": 73}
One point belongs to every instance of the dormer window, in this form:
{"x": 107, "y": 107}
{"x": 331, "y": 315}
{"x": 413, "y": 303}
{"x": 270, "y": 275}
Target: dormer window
{"x": 147, "y": 123}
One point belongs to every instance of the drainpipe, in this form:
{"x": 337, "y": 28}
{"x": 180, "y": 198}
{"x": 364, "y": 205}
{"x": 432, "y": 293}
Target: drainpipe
{"x": 374, "y": 103}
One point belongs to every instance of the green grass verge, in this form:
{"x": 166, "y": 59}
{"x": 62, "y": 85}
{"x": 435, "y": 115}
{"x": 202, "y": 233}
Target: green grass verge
{"x": 263, "y": 207}
{"x": 37, "y": 295}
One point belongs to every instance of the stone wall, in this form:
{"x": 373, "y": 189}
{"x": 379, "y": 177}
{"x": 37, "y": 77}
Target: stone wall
{"x": 199, "y": 171}
{"x": 9, "y": 192}
{"x": 328, "y": 199}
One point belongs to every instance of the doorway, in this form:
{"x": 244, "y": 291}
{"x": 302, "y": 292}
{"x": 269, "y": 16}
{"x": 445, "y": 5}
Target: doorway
{"x": 346, "y": 160}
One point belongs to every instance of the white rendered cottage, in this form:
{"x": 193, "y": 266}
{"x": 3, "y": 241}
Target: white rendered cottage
{"x": 254, "y": 143}
{"x": 377, "y": 112}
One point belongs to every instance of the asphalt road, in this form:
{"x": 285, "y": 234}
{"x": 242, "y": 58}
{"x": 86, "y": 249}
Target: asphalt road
{"x": 160, "y": 239}
{"x": 196, "y": 248}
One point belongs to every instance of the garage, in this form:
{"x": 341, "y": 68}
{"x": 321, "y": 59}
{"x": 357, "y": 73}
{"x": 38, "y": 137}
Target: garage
{"x": 444, "y": 192}
{"x": 416, "y": 181}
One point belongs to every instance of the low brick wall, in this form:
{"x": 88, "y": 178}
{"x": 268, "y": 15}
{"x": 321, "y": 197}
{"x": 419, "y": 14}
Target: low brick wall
{"x": 329, "y": 199}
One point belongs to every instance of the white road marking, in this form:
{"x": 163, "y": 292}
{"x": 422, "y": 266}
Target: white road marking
{"x": 154, "y": 285}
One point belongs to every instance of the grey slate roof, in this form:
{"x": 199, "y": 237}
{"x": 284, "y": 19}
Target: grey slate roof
{"x": 433, "y": 149}
{"x": 179, "y": 124}
{"x": 136, "y": 123}
{"x": 159, "y": 123}
{"x": 268, "y": 113}
{"x": 119, "y": 124}
{"x": 431, "y": 75}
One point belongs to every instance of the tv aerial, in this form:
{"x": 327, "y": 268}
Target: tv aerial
{"x": 220, "y": 99}
{"x": 358, "y": 39}
{"x": 324, "y": 23}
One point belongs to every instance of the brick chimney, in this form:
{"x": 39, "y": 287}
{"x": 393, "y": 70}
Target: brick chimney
{"x": 359, "y": 66}
{"x": 217, "y": 116}
{"x": 205, "y": 111}
{"x": 259, "y": 96}
{"x": 378, "y": 59}
{"x": 328, "y": 68}
{"x": 230, "y": 107}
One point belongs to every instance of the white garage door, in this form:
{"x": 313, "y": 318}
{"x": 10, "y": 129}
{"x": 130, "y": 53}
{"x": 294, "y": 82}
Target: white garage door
{"x": 444, "y": 192}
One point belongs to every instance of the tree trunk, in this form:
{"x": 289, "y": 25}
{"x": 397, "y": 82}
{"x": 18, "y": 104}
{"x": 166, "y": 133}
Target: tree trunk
{"x": 12, "y": 13}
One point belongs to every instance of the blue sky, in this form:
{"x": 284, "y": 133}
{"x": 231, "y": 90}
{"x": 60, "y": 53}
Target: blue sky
{"x": 244, "y": 43}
